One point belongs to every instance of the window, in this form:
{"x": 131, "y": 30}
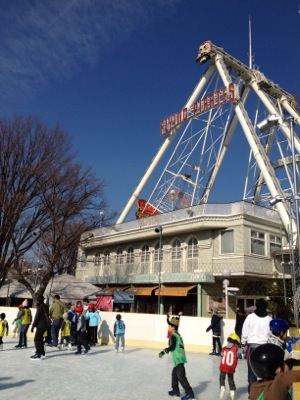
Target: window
{"x": 176, "y": 250}
{"x": 193, "y": 248}
{"x": 145, "y": 253}
{"x": 227, "y": 242}
{"x": 97, "y": 258}
{"x": 158, "y": 256}
{"x": 275, "y": 243}
{"x": 119, "y": 260}
{"x": 130, "y": 256}
{"x": 258, "y": 243}
{"x": 106, "y": 258}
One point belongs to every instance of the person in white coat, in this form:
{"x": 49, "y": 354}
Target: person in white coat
{"x": 256, "y": 331}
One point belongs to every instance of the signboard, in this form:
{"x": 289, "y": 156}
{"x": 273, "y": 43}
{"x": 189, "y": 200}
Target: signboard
{"x": 227, "y": 94}
{"x": 123, "y": 297}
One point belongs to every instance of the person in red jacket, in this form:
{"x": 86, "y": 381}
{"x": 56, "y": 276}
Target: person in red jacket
{"x": 228, "y": 363}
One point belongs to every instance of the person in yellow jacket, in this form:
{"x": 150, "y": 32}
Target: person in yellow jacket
{"x": 66, "y": 332}
{"x": 26, "y": 321}
{"x": 3, "y": 329}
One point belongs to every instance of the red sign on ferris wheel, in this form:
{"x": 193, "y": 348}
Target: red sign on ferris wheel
{"x": 227, "y": 94}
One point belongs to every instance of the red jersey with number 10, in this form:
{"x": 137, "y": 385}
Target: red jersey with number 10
{"x": 229, "y": 359}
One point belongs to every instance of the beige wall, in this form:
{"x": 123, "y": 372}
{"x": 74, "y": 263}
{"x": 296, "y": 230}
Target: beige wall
{"x": 149, "y": 330}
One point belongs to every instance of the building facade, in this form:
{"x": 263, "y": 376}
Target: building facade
{"x": 178, "y": 261}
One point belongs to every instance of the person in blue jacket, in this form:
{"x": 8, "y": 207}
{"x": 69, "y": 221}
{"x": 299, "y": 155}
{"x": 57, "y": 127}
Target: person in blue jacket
{"x": 119, "y": 333}
{"x": 215, "y": 326}
{"x": 94, "y": 319}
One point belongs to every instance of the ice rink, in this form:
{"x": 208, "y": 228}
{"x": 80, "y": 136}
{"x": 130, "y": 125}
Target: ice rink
{"x": 104, "y": 375}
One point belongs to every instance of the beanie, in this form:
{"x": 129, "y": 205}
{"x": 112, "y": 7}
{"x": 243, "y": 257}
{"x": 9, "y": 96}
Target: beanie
{"x": 174, "y": 322}
{"x": 25, "y": 303}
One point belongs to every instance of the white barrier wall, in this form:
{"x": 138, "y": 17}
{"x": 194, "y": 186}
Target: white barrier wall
{"x": 150, "y": 330}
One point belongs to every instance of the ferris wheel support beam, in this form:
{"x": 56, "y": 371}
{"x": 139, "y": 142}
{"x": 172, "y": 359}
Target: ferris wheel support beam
{"x": 286, "y": 105}
{"x": 258, "y": 152}
{"x": 272, "y": 110}
{"x": 199, "y": 87}
{"x": 223, "y": 151}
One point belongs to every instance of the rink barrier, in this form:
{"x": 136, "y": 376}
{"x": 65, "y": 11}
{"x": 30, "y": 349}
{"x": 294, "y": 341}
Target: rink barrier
{"x": 149, "y": 330}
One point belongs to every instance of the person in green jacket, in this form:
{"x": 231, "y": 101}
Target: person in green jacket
{"x": 176, "y": 347}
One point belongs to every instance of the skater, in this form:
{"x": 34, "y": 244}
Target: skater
{"x": 66, "y": 333}
{"x": 57, "y": 310}
{"x": 274, "y": 375}
{"x": 94, "y": 318}
{"x": 176, "y": 347}
{"x": 279, "y": 328}
{"x": 4, "y": 328}
{"x": 119, "y": 333}
{"x": 228, "y": 364}
{"x": 40, "y": 323}
{"x": 18, "y": 321}
{"x": 26, "y": 321}
{"x": 256, "y": 331}
{"x": 81, "y": 332}
{"x": 215, "y": 326}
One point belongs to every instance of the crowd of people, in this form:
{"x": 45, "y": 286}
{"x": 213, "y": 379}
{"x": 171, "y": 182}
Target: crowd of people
{"x": 258, "y": 337}
{"x": 262, "y": 340}
{"x": 60, "y": 325}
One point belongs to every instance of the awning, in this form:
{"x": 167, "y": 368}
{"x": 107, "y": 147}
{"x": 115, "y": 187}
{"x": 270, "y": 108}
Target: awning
{"x": 112, "y": 289}
{"x": 174, "y": 290}
{"x": 142, "y": 291}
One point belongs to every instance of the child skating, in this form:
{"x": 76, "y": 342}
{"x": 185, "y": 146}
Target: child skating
{"x": 228, "y": 363}
{"x": 119, "y": 333}
{"x": 176, "y": 347}
{"x": 3, "y": 329}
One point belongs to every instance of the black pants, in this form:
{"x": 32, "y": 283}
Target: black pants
{"x": 82, "y": 341}
{"x": 39, "y": 341}
{"x": 93, "y": 334}
{"x": 216, "y": 340}
{"x": 178, "y": 376}
{"x": 230, "y": 380}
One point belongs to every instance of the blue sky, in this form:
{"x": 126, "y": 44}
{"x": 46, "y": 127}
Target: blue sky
{"x": 109, "y": 71}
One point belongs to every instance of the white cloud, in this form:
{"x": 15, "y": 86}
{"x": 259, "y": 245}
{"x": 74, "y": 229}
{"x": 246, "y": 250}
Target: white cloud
{"x": 41, "y": 40}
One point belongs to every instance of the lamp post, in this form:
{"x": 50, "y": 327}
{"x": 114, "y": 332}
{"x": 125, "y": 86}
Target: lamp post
{"x": 172, "y": 193}
{"x": 227, "y": 288}
{"x": 101, "y": 218}
{"x": 159, "y": 229}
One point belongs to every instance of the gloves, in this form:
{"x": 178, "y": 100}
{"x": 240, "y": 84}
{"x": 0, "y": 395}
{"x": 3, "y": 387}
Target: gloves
{"x": 32, "y": 329}
{"x": 161, "y": 354}
{"x": 207, "y": 329}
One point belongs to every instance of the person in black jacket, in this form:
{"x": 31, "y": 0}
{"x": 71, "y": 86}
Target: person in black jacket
{"x": 41, "y": 322}
{"x": 215, "y": 326}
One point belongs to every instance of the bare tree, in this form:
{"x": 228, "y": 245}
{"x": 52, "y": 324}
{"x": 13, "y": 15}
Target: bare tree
{"x": 46, "y": 197}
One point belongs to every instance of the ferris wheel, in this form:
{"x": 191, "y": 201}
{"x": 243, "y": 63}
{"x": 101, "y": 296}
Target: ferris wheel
{"x": 230, "y": 99}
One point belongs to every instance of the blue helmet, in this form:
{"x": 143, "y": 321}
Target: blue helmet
{"x": 278, "y": 325}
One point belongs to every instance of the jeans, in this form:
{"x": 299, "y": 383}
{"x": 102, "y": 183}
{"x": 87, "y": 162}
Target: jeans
{"x": 251, "y": 377}
{"x": 178, "y": 376}
{"x": 23, "y": 335}
{"x": 56, "y": 325}
{"x": 118, "y": 337}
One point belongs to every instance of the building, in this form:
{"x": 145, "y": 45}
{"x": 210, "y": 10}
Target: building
{"x": 180, "y": 259}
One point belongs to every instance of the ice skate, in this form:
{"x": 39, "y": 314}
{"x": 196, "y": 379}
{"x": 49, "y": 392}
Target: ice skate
{"x": 222, "y": 392}
{"x": 232, "y": 394}
{"x": 70, "y": 346}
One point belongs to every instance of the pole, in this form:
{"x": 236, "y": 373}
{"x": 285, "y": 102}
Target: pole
{"x": 296, "y": 209}
{"x": 159, "y": 270}
{"x": 226, "y": 300}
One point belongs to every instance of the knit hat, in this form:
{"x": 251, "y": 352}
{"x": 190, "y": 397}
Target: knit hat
{"x": 174, "y": 322}
{"x": 20, "y": 306}
{"x": 65, "y": 315}
{"x": 25, "y": 303}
